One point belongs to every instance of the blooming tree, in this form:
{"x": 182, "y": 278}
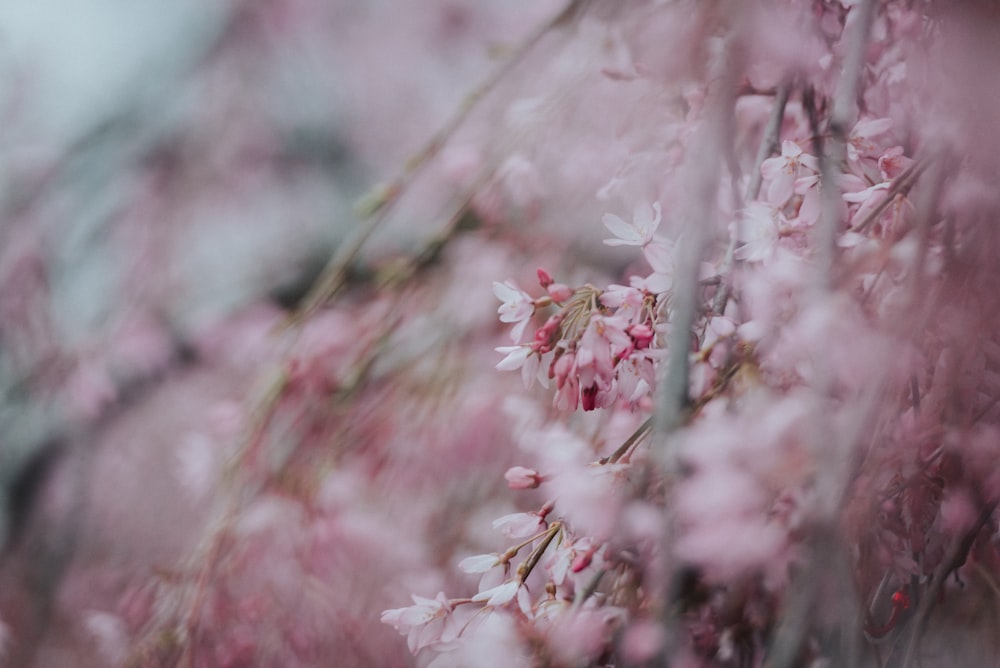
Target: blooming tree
{"x": 674, "y": 346}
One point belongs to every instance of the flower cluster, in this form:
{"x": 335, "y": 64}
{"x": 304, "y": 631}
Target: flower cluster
{"x": 597, "y": 347}
{"x": 814, "y": 449}
{"x": 755, "y": 411}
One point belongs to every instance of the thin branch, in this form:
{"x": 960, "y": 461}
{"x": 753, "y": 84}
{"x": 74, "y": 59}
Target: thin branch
{"x": 842, "y": 117}
{"x": 636, "y": 436}
{"x": 768, "y": 145}
{"x": 954, "y": 559}
{"x": 588, "y": 589}
{"x": 378, "y": 205}
{"x": 673, "y": 402}
{"x": 716, "y": 129}
{"x": 524, "y": 570}
{"x": 769, "y": 142}
{"x": 901, "y": 185}
{"x": 798, "y": 614}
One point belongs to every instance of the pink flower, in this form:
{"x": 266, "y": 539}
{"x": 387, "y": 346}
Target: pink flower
{"x": 660, "y": 256}
{"x": 544, "y": 278}
{"x": 811, "y": 190}
{"x": 479, "y": 563}
{"x": 893, "y": 163}
{"x": 759, "y": 233}
{"x": 520, "y": 525}
{"x": 559, "y": 292}
{"x": 428, "y": 622}
{"x": 645, "y": 221}
{"x": 571, "y": 556}
{"x": 499, "y": 595}
{"x": 517, "y": 307}
{"x": 869, "y": 199}
{"x": 604, "y": 343}
{"x": 520, "y": 357}
{"x": 567, "y": 382}
{"x": 782, "y": 171}
{"x": 860, "y": 144}
{"x": 642, "y": 334}
{"x": 493, "y": 568}
{"x": 622, "y": 297}
{"x": 636, "y": 378}
{"x": 642, "y": 640}
{"x": 812, "y": 204}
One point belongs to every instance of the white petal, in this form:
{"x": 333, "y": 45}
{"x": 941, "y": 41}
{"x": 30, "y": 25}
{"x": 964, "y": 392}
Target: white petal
{"x": 479, "y": 563}
{"x": 498, "y": 595}
{"x": 626, "y": 234}
{"x": 516, "y": 356}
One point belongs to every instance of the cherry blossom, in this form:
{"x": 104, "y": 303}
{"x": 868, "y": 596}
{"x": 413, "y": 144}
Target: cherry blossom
{"x": 645, "y": 221}
{"x": 499, "y": 595}
{"x": 520, "y": 357}
{"x": 661, "y": 258}
{"x": 861, "y": 144}
{"x": 782, "y": 172}
{"x": 428, "y": 622}
{"x": 520, "y": 525}
{"x": 517, "y": 307}
{"x": 766, "y": 419}
{"x": 758, "y": 233}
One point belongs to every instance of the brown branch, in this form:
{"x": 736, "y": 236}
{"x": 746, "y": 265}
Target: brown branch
{"x": 636, "y": 436}
{"x": 901, "y": 185}
{"x": 956, "y": 556}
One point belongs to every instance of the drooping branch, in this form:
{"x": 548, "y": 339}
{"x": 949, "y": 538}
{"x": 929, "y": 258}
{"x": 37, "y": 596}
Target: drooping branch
{"x": 842, "y": 116}
{"x": 826, "y": 559}
{"x": 378, "y": 205}
{"x": 768, "y": 145}
{"x": 673, "y": 402}
{"x": 699, "y": 218}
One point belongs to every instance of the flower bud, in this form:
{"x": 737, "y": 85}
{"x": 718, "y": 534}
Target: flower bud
{"x": 560, "y": 292}
{"x": 545, "y": 278}
{"x": 519, "y": 477}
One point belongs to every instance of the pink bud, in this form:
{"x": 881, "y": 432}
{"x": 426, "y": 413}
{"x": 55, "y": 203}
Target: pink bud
{"x": 642, "y": 335}
{"x": 547, "y": 335}
{"x": 560, "y": 292}
{"x": 581, "y": 562}
{"x": 519, "y": 477}
{"x": 544, "y": 278}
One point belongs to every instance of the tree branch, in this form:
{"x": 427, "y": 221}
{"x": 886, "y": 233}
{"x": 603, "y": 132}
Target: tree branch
{"x": 376, "y": 207}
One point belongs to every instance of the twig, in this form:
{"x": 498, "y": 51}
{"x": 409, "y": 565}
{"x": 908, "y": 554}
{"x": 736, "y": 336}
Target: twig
{"x": 716, "y": 129}
{"x": 901, "y": 185}
{"x": 588, "y": 589}
{"x": 524, "y": 570}
{"x": 842, "y": 117}
{"x": 797, "y": 617}
{"x": 955, "y": 557}
{"x": 380, "y": 204}
{"x": 636, "y": 436}
{"x": 673, "y": 401}
{"x": 768, "y": 144}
